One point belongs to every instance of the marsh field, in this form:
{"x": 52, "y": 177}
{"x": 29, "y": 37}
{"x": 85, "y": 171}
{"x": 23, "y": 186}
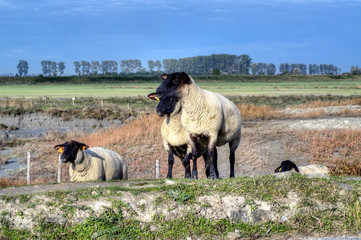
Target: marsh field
{"x": 283, "y": 118}
{"x": 307, "y": 119}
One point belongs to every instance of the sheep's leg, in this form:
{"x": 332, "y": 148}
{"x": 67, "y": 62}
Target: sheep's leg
{"x": 206, "y": 164}
{"x": 231, "y": 163}
{"x": 210, "y": 155}
{"x": 194, "y": 155}
{"x": 214, "y": 161}
{"x": 170, "y": 162}
{"x": 232, "y": 149}
{"x": 187, "y": 168}
{"x": 195, "y": 170}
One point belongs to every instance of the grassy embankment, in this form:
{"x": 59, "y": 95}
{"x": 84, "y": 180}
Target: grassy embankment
{"x": 303, "y": 206}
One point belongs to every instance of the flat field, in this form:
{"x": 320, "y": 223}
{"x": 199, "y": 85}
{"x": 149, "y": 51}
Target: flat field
{"x": 225, "y": 87}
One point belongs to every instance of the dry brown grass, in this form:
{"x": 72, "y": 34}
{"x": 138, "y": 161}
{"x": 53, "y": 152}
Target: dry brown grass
{"x": 312, "y": 109}
{"x": 320, "y": 103}
{"x": 339, "y": 149}
{"x": 252, "y": 111}
{"x": 8, "y": 182}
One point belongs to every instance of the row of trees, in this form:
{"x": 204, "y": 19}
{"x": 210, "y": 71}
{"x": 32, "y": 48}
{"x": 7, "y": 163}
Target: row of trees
{"x": 313, "y": 69}
{"x": 199, "y": 65}
{"x": 48, "y": 68}
{"x": 109, "y": 67}
{"x": 263, "y": 69}
{"x": 225, "y": 63}
{"x": 355, "y": 70}
{"x": 52, "y": 68}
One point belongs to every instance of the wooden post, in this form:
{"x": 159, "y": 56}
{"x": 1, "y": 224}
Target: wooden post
{"x": 73, "y": 98}
{"x": 157, "y": 169}
{"x": 59, "y": 168}
{"x": 28, "y": 172}
{"x": 102, "y": 103}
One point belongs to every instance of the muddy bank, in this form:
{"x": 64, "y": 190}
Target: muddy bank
{"x": 39, "y": 124}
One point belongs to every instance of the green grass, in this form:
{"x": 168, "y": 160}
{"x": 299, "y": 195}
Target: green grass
{"x": 229, "y": 88}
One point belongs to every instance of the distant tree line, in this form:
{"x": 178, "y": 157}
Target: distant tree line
{"x": 199, "y": 65}
{"x": 355, "y": 70}
{"x": 313, "y": 69}
{"x": 263, "y": 69}
{"x": 110, "y": 67}
{"x": 52, "y": 68}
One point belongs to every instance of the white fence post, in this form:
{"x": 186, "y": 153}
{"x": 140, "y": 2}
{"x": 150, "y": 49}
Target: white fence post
{"x": 28, "y": 172}
{"x": 59, "y": 168}
{"x": 157, "y": 169}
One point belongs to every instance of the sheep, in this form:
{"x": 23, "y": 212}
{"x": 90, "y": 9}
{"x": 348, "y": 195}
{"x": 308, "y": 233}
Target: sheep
{"x": 175, "y": 142}
{"x": 287, "y": 165}
{"x": 312, "y": 169}
{"x": 206, "y": 116}
{"x": 92, "y": 164}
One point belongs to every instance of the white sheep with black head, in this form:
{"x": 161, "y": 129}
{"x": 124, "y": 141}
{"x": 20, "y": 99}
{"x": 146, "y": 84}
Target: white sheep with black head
{"x": 92, "y": 164}
{"x": 206, "y": 116}
{"x": 176, "y": 143}
{"x": 312, "y": 170}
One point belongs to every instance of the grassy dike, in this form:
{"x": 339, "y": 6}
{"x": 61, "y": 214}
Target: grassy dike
{"x": 257, "y": 207}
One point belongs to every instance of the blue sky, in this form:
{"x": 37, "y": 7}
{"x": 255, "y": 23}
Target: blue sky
{"x": 273, "y": 31}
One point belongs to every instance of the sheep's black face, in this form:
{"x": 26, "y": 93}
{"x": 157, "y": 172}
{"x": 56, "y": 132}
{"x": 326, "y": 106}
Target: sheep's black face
{"x": 166, "y": 105}
{"x": 172, "y": 83}
{"x": 69, "y": 150}
{"x": 287, "y": 165}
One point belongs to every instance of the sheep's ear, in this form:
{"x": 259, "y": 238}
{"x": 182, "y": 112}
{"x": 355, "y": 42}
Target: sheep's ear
{"x": 164, "y": 76}
{"x": 153, "y": 96}
{"x": 84, "y": 146}
{"x": 60, "y": 148}
{"x": 185, "y": 78}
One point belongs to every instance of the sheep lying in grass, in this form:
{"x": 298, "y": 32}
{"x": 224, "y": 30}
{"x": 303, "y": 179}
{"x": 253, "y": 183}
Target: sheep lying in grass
{"x": 92, "y": 164}
{"x": 287, "y": 165}
{"x": 176, "y": 143}
{"x": 206, "y": 116}
{"x": 313, "y": 169}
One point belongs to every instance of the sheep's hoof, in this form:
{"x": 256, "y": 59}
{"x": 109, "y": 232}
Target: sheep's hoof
{"x": 213, "y": 176}
{"x": 187, "y": 175}
{"x": 195, "y": 175}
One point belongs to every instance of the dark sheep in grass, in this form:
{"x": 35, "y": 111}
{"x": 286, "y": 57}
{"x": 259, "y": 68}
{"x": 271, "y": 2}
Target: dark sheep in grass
{"x": 313, "y": 169}
{"x": 92, "y": 164}
{"x": 206, "y": 116}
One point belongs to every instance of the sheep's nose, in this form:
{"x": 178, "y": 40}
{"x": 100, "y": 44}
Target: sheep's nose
{"x": 160, "y": 114}
{"x": 160, "y": 111}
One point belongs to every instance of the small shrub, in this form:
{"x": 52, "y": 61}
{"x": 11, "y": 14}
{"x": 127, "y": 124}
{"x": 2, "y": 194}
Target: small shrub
{"x": 13, "y": 128}
{"x": 3, "y": 126}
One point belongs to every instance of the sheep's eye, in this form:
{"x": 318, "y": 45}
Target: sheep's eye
{"x": 175, "y": 80}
